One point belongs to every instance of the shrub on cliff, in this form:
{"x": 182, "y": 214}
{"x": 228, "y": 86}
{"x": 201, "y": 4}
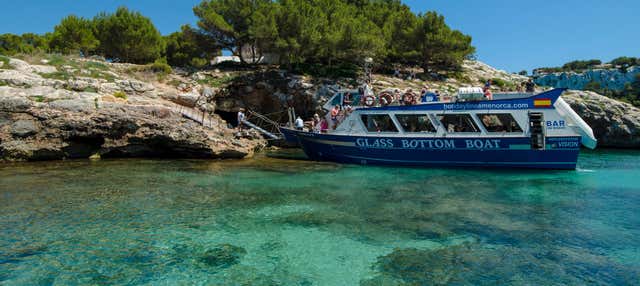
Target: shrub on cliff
{"x": 4, "y": 63}
{"x": 74, "y": 34}
{"x": 120, "y": 94}
{"x": 128, "y": 36}
{"x": 581, "y": 65}
{"x": 11, "y": 44}
{"x": 625, "y": 62}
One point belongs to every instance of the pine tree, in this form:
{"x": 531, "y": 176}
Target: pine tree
{"x": 74, "y": 34}
{"x": 128, "y": 36}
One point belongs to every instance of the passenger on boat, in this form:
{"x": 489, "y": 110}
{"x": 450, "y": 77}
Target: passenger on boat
{"x": 299, "y": 123}
{"x": 324, "y": 125}
{"x": 487, "y": 94}
{"x": 487, "y": 85}
{"x": 429, "y": 96}
{"x": 346, "y": 99}
{"x": 316, "y": 123}
{"x": 530, "y": 86}
{"x": 334, "y": 116}
{"x": 437, "y": 96}
{"x": 397, "y": 97}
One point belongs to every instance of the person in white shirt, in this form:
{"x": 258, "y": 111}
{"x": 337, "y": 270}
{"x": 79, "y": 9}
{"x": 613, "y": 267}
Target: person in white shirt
{"x": 240, "y": 118}
{"x": 299, "y": 123}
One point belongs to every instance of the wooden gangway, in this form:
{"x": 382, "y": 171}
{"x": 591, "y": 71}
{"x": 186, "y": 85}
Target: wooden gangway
{"x": 207, "y": 121}
{"x": 196, "y": 115}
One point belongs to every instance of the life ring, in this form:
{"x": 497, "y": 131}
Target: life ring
{"x": 409, "y": 98}
{"x": 386, "y": 98}
{"x": 369, "y": 100}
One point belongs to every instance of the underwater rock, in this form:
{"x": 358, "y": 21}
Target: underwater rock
{"x": 476, "y": 264}
{"x": 223, "y": 256}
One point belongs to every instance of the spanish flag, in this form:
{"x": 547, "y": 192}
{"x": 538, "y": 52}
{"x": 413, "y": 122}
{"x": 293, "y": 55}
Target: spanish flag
{"x": 542, "y": 102}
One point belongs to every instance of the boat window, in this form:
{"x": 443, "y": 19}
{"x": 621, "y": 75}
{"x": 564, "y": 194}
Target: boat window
{"x": 458, "y": 123}
{"x": 336, "y": 100}
{"x": 378, "y": 123}
{"x": 415, "y": 123}
{"x": 499, "y": 122}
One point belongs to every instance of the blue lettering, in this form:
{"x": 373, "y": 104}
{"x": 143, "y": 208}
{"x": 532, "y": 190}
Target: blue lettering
{"x": 449, "y": 144}
{"x": 469, "y": 144}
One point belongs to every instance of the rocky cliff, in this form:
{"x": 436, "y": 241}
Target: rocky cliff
{"x": 613, "y": 79}
{"x": 614, "y": 123}
{"x": 45, "y": 116}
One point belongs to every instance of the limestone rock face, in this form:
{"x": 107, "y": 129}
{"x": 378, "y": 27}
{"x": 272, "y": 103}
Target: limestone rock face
{"x": 614, "y": 123}
{"x": 77, "y": 129}
{"x": 80, "y": 117}
{"x": 613, "y": 79}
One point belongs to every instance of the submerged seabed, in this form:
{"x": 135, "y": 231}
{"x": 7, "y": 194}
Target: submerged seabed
{"x": 272, "y": 221}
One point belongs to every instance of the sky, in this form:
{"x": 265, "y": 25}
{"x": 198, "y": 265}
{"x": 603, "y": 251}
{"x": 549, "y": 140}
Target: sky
{"x": 512, "y": 35}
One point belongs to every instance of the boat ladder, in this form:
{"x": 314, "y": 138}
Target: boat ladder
{"x": 264, "y": 124}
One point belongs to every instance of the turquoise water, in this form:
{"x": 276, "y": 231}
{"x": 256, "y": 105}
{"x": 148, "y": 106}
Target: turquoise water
{"x": 269, "y": 221}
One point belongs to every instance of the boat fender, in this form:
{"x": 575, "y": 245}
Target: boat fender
{"x": 369, "y": 100}
{"x": 385, "y": 98}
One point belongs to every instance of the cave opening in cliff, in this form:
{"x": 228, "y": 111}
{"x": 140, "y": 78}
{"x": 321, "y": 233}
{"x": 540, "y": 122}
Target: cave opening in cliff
{"x": 230, "y": 117}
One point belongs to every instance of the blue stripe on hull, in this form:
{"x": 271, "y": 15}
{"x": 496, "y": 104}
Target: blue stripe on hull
{"x": 507, "y": 153}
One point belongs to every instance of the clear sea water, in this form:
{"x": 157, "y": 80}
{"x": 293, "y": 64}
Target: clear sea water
{"x": 274, "y": 221}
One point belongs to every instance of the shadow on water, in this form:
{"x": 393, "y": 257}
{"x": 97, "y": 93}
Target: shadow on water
{"x": 271, "y": 221}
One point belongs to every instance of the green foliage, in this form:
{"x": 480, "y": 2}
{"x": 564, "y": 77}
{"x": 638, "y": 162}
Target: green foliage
{"x": 5, "y": 63}
{"x": 217, "y": 82}
{"x": 28, "y": 43}
{"x": 188, "y": 48}
{"x": 198, "y": 62}
{"x": 59, "y": 61}
{"x": 332, "y": 32}
{"x": 74, "y": 34}
{"x": 523, "y": 72}
{"x": 343, "y": 70}
{"x": 441, "y": 48}
{"x": 128, "y": 36}
{"x": 160, "y": 66}
{"x": 593, "y": 86}
{"x": 96, "y": 66}
{"x": 630, "y": 93}
{"x": 499, "y": 82}
{"x": 120, "y": 94}
{"x": 37, "y": 98}
{"x": 581, "y": 65}
{"x": 625, "y": 62}
{"x": 90, "y": 89}
{"x": 60, "y": 75}
{"x": 228, "y": 22}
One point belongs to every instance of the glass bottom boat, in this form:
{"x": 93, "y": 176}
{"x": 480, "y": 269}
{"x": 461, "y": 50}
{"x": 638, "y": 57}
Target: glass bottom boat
{"x": 511, "y": 131}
